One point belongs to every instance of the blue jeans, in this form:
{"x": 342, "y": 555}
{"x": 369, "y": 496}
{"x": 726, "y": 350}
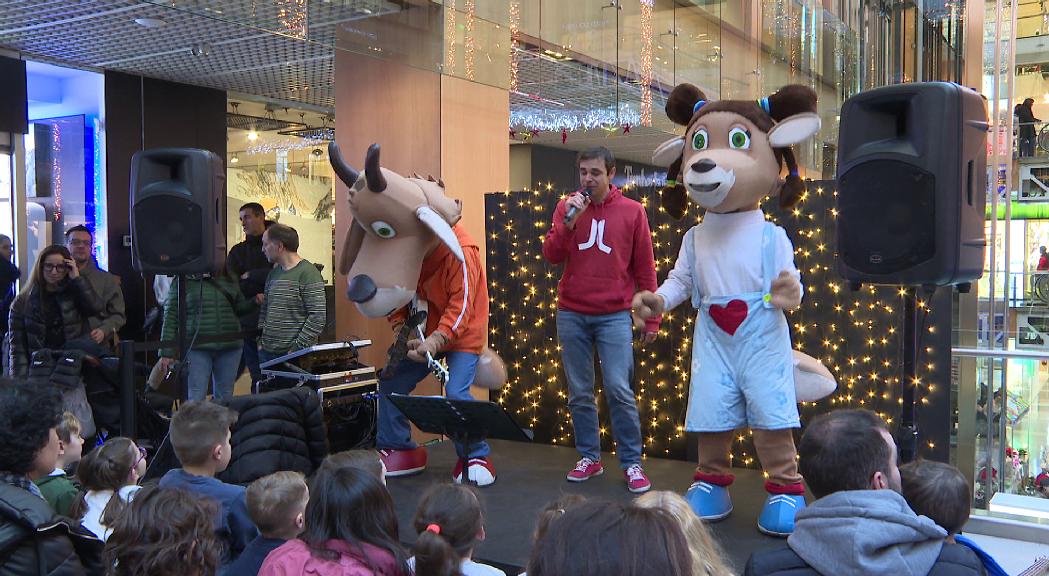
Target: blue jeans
{"x": 610, "y": 333}
{"x": 393, "y": 431}
{"x": 250, "y": 360}
{"x": 266, "y": 356}
{"x": 218, "y": 367}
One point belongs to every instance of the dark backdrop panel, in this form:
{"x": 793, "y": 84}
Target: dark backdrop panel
{"x": 858, "y": 335}
{"x": 146, "y": 113}
{"x": 14, "y": 105}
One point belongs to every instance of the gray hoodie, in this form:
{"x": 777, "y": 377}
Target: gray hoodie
{"x": 866, "y": 532}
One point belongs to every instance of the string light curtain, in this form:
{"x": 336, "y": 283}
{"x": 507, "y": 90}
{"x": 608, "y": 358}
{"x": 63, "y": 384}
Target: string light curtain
{"x": 855, "y": 334}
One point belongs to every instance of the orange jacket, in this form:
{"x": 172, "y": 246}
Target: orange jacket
{"x": 458, "y": 301}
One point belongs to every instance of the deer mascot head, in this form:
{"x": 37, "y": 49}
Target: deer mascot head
{"x": 733, "y": 150}
{"x": 397, "y": 221}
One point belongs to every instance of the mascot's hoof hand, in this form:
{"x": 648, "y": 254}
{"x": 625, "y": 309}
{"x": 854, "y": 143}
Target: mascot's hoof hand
{"x": 709, "y": 501}
{"x": 418, "y": 349}
{"x": 777, "y": 517}
{"x": 785, "y": 291}
{"x": 645, "y": 305}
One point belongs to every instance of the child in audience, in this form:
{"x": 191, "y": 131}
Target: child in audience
{"x": 164, "y": 532}
{"x": 450, "y": 525}
{"x": 706, "y": 554}
{"x": 940, "y": 492}
{"x": 277, "y": 504}
{"x": 597, "y": 538}
{"x": 553, "y": 511}
{"x": 351, "y": 530}
{"x": 200, "y": 433}
{"x": 367, "y": 460}
{"x": 60, "y": 491}
{"x": 109, "y": 475}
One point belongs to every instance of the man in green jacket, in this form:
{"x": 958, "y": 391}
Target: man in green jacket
{"x": 104, "y": 327}
{"x": 294, "y": 309}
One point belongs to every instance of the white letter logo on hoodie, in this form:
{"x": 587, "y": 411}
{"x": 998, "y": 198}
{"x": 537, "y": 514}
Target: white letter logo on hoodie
{"x": 597, "y": 236}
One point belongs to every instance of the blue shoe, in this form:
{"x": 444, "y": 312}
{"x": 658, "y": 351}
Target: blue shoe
{"x": 777, "y": 517}
{"x": 709, "y": 501}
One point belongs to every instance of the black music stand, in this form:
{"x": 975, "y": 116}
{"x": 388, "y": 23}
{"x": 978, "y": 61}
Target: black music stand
{"x": 464, "y": 421}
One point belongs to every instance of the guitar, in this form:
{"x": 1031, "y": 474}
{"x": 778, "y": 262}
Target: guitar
{"x": 1039, "y": 568}
{"x": 398, "y": 351}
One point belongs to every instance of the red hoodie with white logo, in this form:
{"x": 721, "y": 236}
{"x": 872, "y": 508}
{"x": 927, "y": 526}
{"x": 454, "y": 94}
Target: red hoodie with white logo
{"x": 607, "y": 257}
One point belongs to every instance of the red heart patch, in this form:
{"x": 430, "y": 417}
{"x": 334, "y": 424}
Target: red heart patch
{"x": 728, "y": 318}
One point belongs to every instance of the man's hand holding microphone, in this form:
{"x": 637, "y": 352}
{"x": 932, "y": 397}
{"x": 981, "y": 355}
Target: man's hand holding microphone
{"x": 575, "y": 206}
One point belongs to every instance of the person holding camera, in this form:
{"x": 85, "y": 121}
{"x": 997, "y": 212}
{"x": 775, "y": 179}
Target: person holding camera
{"x": 51, "y": 311}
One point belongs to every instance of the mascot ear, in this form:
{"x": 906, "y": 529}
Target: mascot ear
{"x": 794, "y": 129}
{"x": 351, "y": 245}
{"x": 668, "y": 152}
{"x": 440, "y": 227}
{"x": 449, "y": 209}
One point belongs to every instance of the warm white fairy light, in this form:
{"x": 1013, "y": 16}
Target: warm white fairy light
{"x": 449, "y": 37}
{"x": 470, "y": 41}
{"x": 575, "y": 119}
{"x": 515, "y": 24}
{"x": 646, "y": 62}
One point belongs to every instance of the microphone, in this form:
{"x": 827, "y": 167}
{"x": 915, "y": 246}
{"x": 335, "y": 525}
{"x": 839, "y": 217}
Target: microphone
{"x": 572, "y": 210}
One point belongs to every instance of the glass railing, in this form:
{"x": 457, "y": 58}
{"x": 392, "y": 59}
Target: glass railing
{"x": 1001, "y": 433}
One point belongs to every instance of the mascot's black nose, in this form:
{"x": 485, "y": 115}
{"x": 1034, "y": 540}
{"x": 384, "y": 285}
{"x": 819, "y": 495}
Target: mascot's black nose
{"x": 362, "y": 289}
{"x": 704, "y": 165}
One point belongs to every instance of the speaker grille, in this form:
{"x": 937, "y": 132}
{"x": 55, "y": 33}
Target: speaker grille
{"x": 887, "y": 215}
{"x": 170, "y": 230}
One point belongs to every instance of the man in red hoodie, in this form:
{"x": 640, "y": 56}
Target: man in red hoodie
{"x": 605, "y": 244}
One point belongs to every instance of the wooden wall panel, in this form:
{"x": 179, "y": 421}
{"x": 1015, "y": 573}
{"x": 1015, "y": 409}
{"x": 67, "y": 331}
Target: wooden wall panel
{"x": 398, "y": 107}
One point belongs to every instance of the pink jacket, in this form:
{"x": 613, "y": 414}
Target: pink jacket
{"x": 294, "y": 558}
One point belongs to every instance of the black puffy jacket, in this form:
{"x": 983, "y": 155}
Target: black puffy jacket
{"x": 28, "y": 327}
{"x": 281, "y": 430}
{"x": 34, "y": 541}
{"x": 954, "y": 560}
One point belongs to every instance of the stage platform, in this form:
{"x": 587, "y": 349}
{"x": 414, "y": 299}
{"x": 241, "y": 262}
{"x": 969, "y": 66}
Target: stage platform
{"x": 531, "y": 475}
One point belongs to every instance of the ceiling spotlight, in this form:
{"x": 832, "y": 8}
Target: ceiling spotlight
{"x": 150, "y": 22}
{"x": 253, "y": 136}
{"x": 234, "y": 159}
{"x": 317, "y": 152}
{"x": 200, "y": 49}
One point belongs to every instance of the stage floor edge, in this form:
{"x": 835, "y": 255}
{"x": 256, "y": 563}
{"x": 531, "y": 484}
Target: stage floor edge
{"x": 531, "y": 475}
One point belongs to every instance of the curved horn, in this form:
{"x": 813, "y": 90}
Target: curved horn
{"x": 345, "y": 172}
{"x": 376, "y": 181}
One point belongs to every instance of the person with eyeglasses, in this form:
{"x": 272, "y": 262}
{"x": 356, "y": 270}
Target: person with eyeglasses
{"x": 109, "y": 475}
{"x": 111, "y": 318}
{"x": 51, "y": 310}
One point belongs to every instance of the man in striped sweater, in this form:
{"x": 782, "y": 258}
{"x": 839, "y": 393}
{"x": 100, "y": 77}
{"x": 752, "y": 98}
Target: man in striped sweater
{"x": 293, "y": 310}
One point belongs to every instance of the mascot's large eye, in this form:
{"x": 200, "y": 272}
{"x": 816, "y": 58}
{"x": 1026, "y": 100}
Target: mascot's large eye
{"x": 739, "y": 139}
{"x": 699, "y": 140}
{"x": 383, "y": 229}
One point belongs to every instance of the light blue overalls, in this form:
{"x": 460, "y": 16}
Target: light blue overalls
{"x": 742, "y": 362}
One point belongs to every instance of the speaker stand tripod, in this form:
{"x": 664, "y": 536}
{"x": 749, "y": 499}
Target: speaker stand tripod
{"x": 907, "y": 438}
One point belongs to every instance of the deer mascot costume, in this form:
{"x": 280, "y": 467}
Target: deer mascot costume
{"x": 407, "y": 259}
{"x": 738, "y": 270}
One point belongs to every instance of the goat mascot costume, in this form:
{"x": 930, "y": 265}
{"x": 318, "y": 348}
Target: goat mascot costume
{"x": 738, "y": 270}
{"x": 406, "y": 257}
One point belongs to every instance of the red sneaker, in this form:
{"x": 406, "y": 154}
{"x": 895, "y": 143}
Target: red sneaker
{"x": 584, "y": 470}
{"x": 636, "y": 481}
{"x": 478, "y": 470}
{"x": 403, "y": 462}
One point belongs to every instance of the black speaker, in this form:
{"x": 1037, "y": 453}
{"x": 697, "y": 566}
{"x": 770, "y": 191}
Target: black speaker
{"x": 14, "y": 101}
{"x": 178, "y": 212}
{"x": 912, "y": 185}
